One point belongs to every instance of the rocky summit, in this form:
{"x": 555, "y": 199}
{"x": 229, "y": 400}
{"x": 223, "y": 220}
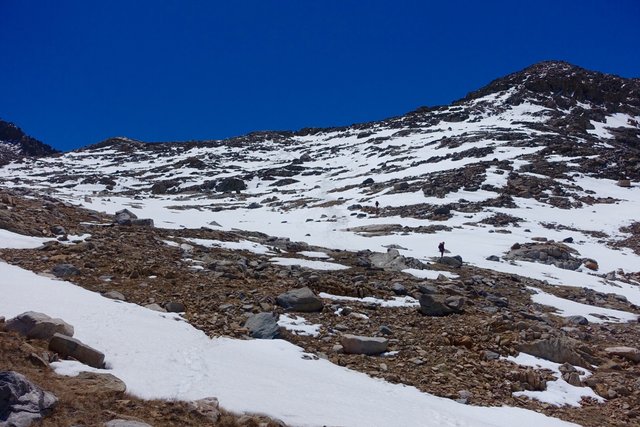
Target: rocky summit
{"x": 328, "y": 238}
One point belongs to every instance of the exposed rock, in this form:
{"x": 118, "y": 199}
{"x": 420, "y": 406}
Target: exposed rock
{"x": 591, "y": 265}
{"x": 455, "y": 261}
{"x": 302, "y": 300}
{"x": 142, "y": 222}
{"x": 262, "y": 326}
{"x": 126, "y": 423}
{"x": 124, "y": 217}
{"x": 99, "y": 384}
{"x": 207, "y": 407}
{"x": 114, "y": 295}
{"x": 65, "y": 270}
{"x": 629, "y": 353}
{"x": 439, "y": 305}
{"x": 558, "y": 254}
{"x": 626, "y": 183}
{"x": 58, "y": 230}
{"x": 175, "y": 307}
{"x": 155, "y": 307}
{"x": 398, "y": 289}
{"x": 576, "y": 320}
{"x": 393, "y": 261}
{"x": 21, "y": 401}
{"x": 70, "y": 347}
{"x": 559, "y": 350}
{"x": 38, "y": 325}
{"x": 354, "y": 344}
{"x": 231, "y": 184}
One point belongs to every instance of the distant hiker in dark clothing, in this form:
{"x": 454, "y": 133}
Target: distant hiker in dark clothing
{"x": 441, "y": 249}
{"x": 377, "y": 208}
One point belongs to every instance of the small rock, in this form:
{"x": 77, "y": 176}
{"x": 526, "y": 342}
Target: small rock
{"x": 354, "y": 344}
{"x": 576, "y": 320}
{"x": 493, "y": 258}
{"x": 591, "y": 265}
{"x": 114, "y": 295}
{"x": 434, "y": 305}
{"x": 124, "y": 217}
{"x": 625, "y": 183}
{"x": 65, "y": 270}
{"x": 385, "y": 330}
{"x": 175, "y": 307}
{"x": 155, "y": 307}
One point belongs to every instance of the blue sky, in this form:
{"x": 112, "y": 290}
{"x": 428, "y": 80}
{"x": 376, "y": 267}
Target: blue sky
{"x": 76, "y": 72}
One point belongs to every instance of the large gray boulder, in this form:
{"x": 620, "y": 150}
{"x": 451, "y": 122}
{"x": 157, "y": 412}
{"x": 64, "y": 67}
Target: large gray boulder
{"x": 21, "y": 401}
{"x": 560, "y": 350}
{"x": 354, "y": 344}
{"x": 440, "y": 305}
{"x": 262, "y": 326}
{"x": 302, "y": 300}
{"x": 70, "y": 347}
{"x": 124, "y": 217}
{"x": 230, "y": 184}
{"x": 451, "y": 261}
{"x": 38, "y": 325}
{"x": 393, "y": 261}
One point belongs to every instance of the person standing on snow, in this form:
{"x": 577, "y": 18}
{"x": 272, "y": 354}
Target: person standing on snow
{"x": 441, "y": 249}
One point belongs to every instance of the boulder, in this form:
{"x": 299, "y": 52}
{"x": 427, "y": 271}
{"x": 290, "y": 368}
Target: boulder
{"x": 438, "y": 305}
{"x": 99, "y": 385}
{"x": 576, "y": 320}
{"x": 393, "y": 261}
{"x": 208, "y": 407}
{"x": 629, "y": 353}
{"x": 175, "y": 307}
{"x": 65, "y": 270}
{"x": 591, "y": 265}
{"x": 559, "y": 350}
{"x": 38, "y": 325}
{"x": 354, "y": 344}
{"x": 302, "y": 300}
{"x": 625, "y": 183}
{"x": 398, "y": 289}
{"x": 21, "y": 401}
{"x": 70, "y": 347}
{"x": 114, "y": 295}
{"x": 142, "y": 222}
{"x": 58, "y": 230}
{"x": 155, "y": 307}
{"x": 231, "y": 184}
{"x": 124, "y": 217}
{"x": 262, "y": 326}
{"x": 451, "y": 261}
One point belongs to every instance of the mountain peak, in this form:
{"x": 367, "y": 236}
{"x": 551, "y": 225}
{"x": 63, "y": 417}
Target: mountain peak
{"x": 14, "y": 144}
{"x": 562, "y": 81}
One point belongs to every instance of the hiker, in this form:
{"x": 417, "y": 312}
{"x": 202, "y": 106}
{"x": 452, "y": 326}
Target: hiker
{"x": 441, "y": 249}
{"x": 377, "y": 207}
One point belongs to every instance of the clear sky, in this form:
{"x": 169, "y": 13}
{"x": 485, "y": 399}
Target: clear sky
{"x": 73, "y": 73}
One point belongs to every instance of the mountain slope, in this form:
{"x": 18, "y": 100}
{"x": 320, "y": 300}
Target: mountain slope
{"x": 532, "y": 181}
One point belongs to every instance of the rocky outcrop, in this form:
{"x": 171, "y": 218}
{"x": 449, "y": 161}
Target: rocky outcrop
{"x": 38, "y": 325}
{"x": 558, "y": 254}
{"x": 629, "y": 353}
{"x": 21, "y": 401}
